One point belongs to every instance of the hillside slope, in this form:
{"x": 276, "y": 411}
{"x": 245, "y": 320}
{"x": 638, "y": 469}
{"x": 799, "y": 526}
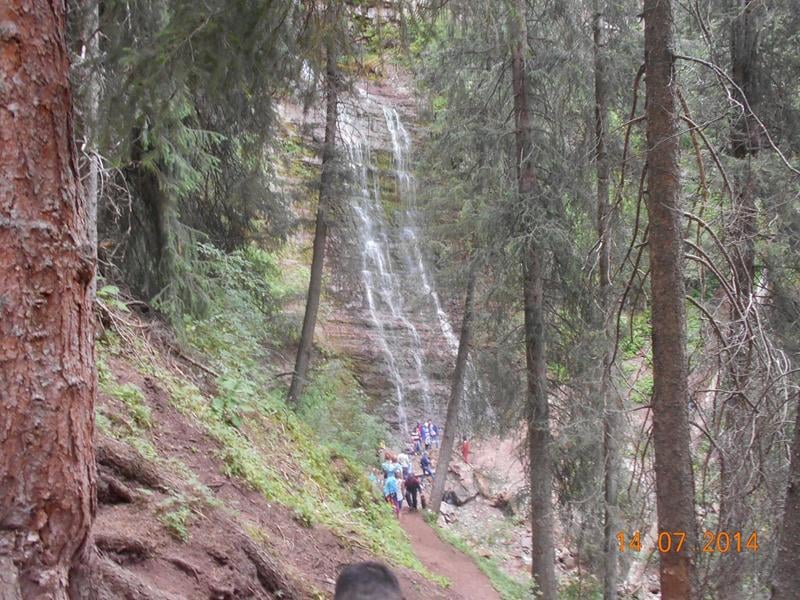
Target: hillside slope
{"x": 192, "y": 506}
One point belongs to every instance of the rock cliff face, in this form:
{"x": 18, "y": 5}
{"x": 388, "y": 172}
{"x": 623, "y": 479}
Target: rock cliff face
{"x": 384, "y": 313}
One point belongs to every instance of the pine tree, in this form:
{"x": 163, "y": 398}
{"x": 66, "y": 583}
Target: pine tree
{"x": 323, "y": 214}
{"x": 542, "y": 552}
{"x": 457, "y": 390}
{"x": 673, "y": 465}
{"x": 47, "y": 470}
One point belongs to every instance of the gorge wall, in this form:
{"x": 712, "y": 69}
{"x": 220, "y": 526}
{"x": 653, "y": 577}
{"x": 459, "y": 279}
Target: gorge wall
{"x": 385, "y": 315}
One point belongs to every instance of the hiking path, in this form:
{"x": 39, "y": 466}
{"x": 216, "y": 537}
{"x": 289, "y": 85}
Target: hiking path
{"x": 468, "y": 582}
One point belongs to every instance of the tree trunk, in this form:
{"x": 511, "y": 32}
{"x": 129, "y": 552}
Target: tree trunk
{"x": 87, "y": 96}
{"x": 735, "y": 477}
{"x": 611, "y": 412}
{"x": 786, "y": 578}
{"x": 456, "y": 394}
{"x": 150, "y": 256}
{"x": 47, "y": 467}
{"x": 671, "y": 441}
{"x": 542, "y": 552}
{"x": 321, "y": 232}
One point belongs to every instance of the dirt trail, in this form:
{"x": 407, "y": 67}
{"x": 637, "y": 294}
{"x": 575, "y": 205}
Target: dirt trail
{"x": 469, "y": 583}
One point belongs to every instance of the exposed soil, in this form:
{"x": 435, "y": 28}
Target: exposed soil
{"x": 240, "y": 546}
{"x": 468, "y": 582}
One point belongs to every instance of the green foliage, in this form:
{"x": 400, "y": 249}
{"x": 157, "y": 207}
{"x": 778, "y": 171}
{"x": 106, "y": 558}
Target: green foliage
{"x": 635, "y": 334}
{"x": 234, "y": 398}
{"x": 109, "y": 295}
{"x": 129, "y": 394}
{"x": 335, "y": 408}
{"x": 241, "y": 292}
{"x": 176, "y": 517}
{"x": 187, "y": 114}
{"x": 586, "y": 588}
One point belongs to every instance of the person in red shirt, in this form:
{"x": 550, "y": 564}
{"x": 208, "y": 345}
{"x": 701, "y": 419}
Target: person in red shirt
{"x": 465, "y": 449}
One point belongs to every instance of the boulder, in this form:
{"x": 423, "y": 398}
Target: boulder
{"x": 482, "y": 484}
{"x": 458, "y": 496}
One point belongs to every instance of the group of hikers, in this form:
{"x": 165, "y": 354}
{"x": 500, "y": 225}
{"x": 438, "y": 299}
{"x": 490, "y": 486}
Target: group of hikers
{"x": 401, "y": 484}
{"x": 400, "y": 481}
{"x": 425, "y": 435}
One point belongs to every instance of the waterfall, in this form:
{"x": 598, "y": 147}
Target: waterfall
{"x": 401, "y": 147}
{"x": 383, "y": 286}
{"x": 398, "y": 289}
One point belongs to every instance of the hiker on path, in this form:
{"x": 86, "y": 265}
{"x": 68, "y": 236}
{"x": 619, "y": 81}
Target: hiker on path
{"x": 400, "y": 490}
{"x": 425, "y": 463}
{"x": 429, "y": 439}
{"x": 405, "y": 463}
{"x": 387, "y": 466}
{"x": 465, "y": 449}
{"x": 390, "y": 491}
{"x": 425, "y": 436}
{"x": 434, "y": 435}
{"x": 412, "y": 486}
{"x": 415, "y": 439}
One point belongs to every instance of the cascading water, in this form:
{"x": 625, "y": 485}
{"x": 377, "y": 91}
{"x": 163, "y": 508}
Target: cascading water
{"x": 401, "y": 147}
{"x": 399, "y": 293}
{"x": 383, "y": 286}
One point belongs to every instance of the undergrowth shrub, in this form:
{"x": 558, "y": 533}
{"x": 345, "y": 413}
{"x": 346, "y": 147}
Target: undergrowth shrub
{"x": 335, "y": 408}
{"x": 241, "y": 293}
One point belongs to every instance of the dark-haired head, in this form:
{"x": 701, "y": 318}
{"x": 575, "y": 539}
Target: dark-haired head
{"x": 367, "y": 581}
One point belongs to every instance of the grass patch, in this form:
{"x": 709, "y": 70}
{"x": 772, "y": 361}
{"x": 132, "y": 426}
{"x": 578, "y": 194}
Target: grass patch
{"x": 129, "y": 394}
{"x": 132, "y": 427}
{"x": 175, "y": 517}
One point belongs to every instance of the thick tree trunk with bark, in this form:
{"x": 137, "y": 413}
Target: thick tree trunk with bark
{"x": 786, "y": 578}
{"x": 671, "y": 441}
{"x": 538, "y": 410}
{"x": 47, "y": 467}
{"x": 611, "y": 412}
{"x": 304, "y": 350}
{"x": 456, "y": 394}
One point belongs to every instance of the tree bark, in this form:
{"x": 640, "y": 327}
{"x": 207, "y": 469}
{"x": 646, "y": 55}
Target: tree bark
{"x": 456, "y": 394}
{"x": 671, "y": 441}
{"x": 47, "y": 467}
{"x": 786, "y": 578}
{"x": 611, "y": 412}
{"x": 538, "y": 410}
{"x": 305, "y": 347}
